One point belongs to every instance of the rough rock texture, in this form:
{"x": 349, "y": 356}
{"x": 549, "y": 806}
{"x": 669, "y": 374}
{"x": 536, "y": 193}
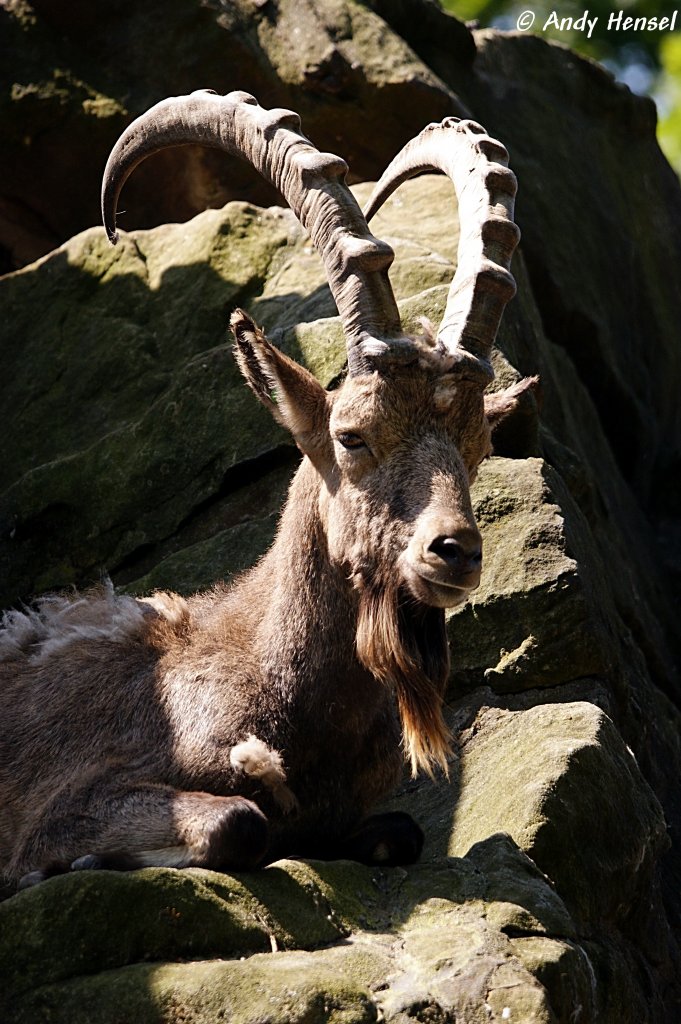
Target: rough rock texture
{"x": 549, "y": 889}
{"x": 297, "y": 942}
{"x": 75, "y": 73}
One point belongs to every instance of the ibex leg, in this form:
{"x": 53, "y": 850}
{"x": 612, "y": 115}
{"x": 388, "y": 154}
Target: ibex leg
{"x": 123, "y": 826}
{"x": 388, "y": 839}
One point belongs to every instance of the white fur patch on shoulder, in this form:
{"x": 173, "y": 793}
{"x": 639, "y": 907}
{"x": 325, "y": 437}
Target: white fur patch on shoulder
{"x": 59, "y": 620}
{"x": 256, "y": 759}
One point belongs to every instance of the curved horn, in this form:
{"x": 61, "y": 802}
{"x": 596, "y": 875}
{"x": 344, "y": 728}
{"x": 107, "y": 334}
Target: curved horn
{"x": 312, "y": 183}
{"x": 485, "y": 189}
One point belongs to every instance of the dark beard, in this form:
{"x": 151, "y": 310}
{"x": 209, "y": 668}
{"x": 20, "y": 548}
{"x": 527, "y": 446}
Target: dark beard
{"x": 404, "y": 645}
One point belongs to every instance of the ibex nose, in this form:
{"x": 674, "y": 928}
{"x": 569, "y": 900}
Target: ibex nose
{"x": 462, "y": 557}
{"x": 443, "y": 560}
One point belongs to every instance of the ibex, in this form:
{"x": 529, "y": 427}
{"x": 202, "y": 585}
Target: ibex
{"x": 266, "y": 719}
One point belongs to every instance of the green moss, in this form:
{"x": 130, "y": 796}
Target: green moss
{"x": 302, "y": 942}
{"x": 66, "y": 89}
{"x": 565, "y": 971}
{"x": 530, "y": 623}
{"x": 320, "y": 345}
{"x": 102, "y": 106}
{"x": 567, "y": 774}
{"x": 285, "y": 988}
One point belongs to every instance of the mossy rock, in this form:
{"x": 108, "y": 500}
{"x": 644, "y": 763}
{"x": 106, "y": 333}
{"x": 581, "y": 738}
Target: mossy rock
{"x": 559, "y": 780}
{"x": 74, "y": 75}
{"x": 531, "y": 622}
{"x": 296, "y": 942}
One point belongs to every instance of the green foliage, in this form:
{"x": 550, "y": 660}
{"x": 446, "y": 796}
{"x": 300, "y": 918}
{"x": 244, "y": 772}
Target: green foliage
{"x": 647, "y": 59}
{"x": 669, "y": 100}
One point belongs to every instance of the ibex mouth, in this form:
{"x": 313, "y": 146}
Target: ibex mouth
{"x": 431, "y": 589}
{"x": 441, "y": 572}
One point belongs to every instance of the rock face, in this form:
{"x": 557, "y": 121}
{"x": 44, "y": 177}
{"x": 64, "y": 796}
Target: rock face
{"x": 298, "y": 942}
{"x": 549, "y": 887}
{"x": 75, "y": 74}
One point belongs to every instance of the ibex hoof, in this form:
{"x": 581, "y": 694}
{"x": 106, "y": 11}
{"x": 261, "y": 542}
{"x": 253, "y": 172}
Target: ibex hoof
{"x": 387, "y": 839}
{"x": 90, "y": 862}
{"x": 31, "y": 878}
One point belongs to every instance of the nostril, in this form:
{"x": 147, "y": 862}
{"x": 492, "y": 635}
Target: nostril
{"x": 453, "y": 553}
{"x": 446, "y": 548}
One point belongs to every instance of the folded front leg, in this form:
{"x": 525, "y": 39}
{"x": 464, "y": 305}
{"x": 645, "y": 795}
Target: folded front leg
{"x": 122, "y": 826}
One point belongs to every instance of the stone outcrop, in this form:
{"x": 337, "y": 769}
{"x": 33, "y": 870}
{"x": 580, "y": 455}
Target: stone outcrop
{"x": 75, "y": 74}
{"x": 298, "y": 942}
{"x": 549, "y": 888}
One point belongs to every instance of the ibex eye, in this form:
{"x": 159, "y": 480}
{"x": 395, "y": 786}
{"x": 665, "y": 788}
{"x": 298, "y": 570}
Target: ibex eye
{"x": 350, "y": 441}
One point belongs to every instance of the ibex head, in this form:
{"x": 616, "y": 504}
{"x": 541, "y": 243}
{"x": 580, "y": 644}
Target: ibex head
{"x": 395, "y": 447}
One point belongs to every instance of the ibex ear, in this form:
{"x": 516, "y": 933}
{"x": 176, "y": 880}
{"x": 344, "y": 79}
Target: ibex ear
{"x": 500, "y": 404}
{"x": 295, "y": 398}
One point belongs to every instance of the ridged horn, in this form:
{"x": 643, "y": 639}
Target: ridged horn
{"x": 485, "y": 189}
{"x": 312, "y": 183}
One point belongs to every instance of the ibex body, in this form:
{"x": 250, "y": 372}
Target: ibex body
{"x": 266, "y": 719}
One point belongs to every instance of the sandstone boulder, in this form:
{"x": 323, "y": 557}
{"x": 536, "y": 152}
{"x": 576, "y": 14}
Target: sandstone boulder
{"x": 74, "y": 74}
